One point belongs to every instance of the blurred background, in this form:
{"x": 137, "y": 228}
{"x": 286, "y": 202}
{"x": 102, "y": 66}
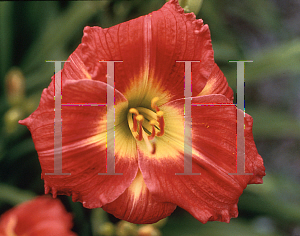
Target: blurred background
{"x": 265, "y": 31}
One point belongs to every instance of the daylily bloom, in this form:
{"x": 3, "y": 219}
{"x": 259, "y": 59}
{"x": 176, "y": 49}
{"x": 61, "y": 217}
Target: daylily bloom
{"x": 42, "y": 216}
{"x": 149, "y": 123}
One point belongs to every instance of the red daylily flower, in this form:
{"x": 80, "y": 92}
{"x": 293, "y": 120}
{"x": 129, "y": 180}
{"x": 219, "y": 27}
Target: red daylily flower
{"x": 41, "y": 216}
{"x": 149, "y": 123}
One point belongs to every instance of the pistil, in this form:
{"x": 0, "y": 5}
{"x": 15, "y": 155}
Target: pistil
{"x": 136, "y": 113}
{"x": 140, "y": 120}
{"x": 152, "y": 123}
{"x": 151, "y": 147}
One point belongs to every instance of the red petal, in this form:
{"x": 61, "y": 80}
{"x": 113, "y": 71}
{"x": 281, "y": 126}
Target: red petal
{"x": 138, "y": 205}
{"x": 217, "y": 84}
{"x": 83, "y": 144}
{"x": 214, "y": 194}
{"x": 149, "y": 47}
{"x": 41, "y": 216}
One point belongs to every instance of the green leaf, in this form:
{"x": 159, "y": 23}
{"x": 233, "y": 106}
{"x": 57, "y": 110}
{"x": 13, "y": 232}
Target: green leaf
{"x": 58, "y": 32}
{"x": 186, "y": 225}
{"x": 272, "y": 61}
{"x": 272, "y": 123}
{"x": 6, "y": 36}
{"x": 278, "y": 197}
{"x": 13, "y": 195}
{"x": 260, "y": 14}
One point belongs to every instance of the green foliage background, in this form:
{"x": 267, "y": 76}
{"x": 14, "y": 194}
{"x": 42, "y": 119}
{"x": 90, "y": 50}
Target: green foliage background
{"x": 265, "y": 31}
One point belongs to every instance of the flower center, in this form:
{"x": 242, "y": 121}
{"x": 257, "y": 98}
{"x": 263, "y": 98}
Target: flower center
{"x": 146, "y": 124}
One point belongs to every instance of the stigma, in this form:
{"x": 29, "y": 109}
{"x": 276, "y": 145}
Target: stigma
{"x": 145, "y": 124}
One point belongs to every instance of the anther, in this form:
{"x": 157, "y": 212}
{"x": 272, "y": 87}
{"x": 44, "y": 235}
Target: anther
{"x": 134, "y": 111}
{"x": 161, "y": 122}
{"x": 140, "y": 119}
{"x": 152, "y": 123}
{"x": 153, "y": 103}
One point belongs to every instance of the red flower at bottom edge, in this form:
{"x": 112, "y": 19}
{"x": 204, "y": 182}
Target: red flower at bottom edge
{"x": 42, "y": 216}
{"x": 149, "y": 123}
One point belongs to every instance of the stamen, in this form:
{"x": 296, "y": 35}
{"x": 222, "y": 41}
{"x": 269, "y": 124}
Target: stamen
{"x": 136, "y": 113}
{"x": 152, "y": 123}
{"x": 140, "y": 119}
{"x": 153, "y": 103}
{"x": 161, "y": 122}
{"x": 152, "y": 119}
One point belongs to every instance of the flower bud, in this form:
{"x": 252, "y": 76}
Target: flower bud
{"x": 148, "y": 230}
{"x": 11, "y": 118}
{"x": 106, "y": 229}
{"x": 160, "y": 223}
{"x": 15, "y": 86}
{"x": 190, "y": 5}
{"x": 31, "y": 103}
{"x": 125, "y": 228}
